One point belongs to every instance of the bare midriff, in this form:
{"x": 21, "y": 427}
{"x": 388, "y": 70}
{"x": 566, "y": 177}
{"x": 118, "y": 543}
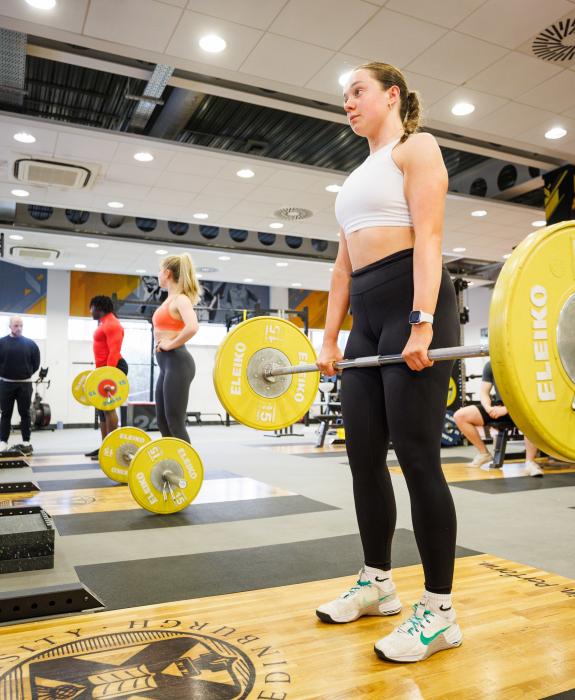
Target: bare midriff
{"x": 368, "y": 245}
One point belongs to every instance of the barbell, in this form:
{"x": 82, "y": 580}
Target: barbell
{"x": 266, "y": 377}
{"x": 104, "y": 388}
{"x": 164, "y": 475}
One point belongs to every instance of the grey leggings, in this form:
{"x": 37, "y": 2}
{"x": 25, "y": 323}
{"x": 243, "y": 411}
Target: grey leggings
{"x": 177, "y": 370}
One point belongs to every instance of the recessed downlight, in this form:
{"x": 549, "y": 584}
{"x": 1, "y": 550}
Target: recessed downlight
{"x": 479, "y": 213}
{"x": 116, "y": 205}
{"x": 557, "y": 132}
{"x": 80, "y": 266}
{"x": 48, "y": 263}
{"x": 42, "y": 4}
{"x": 282, "y": 264}
{"x": 20, "y": 193}
{"x": 248, "y": 279}
{"x": 143, "y": 156}
{"x": 296, "y": 284}
{"x": 276, "y": 224}
{"x": 462, "y": 109}
{"x": 16, "y": 237}
{"x": 344, "y": 77}
{"x": 92, "y": 245}
{"x": 224, "y": 257}
{"x": 141, "y": 271}
{"x": 200, "y": 215}
{"x": 538, "y": 223}
{"x": 333, "y": 188}
{"x": 245, "y": 173}
{"x": 212, "y": 43}
{"x": 507, "y": 255}
{"x": 161, "y": 251}
{"x": 24, "y": 137}
{"x": 459, "y": 250}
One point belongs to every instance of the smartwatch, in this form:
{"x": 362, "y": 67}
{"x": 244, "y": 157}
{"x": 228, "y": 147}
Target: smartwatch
{"x": 417, "y": 317}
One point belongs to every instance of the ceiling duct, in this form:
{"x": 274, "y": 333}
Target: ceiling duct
{"x": 153, "y": 90}
{"x": 556, "y": 43}
{"x": 12, "y": 67}
{"x": 293, "y": 213}
{"x": 176, "y": 113}
{"x": 45, "y": 172}
{"x": 34, "y": 254}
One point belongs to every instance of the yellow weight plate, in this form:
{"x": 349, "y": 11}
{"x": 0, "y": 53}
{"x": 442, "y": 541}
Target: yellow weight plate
{"x": 79, "y": 385}
{"x": 238, "y": 373}
{"x": 107, "y": 388}
{"x": 452, "y": 391}
{"x": 153, "y": 462}
{"x": 529, "y": 365}
{"x": 118, "y": 449}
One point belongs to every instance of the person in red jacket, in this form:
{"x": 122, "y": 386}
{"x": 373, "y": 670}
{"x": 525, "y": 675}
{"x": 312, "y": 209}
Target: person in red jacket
{"x": 108, "y": 338}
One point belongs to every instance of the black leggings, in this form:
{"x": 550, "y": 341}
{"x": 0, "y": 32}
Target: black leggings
{"x": 408, "y": 407}
{"x": 177, "y": 370}
{"x": 21, "y": 394}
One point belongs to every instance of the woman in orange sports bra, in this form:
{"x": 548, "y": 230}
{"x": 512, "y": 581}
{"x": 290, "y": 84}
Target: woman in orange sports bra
{"x": 175, "y": 322}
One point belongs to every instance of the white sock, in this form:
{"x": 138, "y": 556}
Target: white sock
{"x": 439, "y": 603}
{"x": 378, "y": 576}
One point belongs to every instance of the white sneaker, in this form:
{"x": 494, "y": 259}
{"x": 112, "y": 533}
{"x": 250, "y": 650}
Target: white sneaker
{"x": 533, "y": 469}
{"x": 480, "y": 459}
{"x": 3, "y": 446}
{"x": 365, "y": 598}
{"x": 420, "y": 636}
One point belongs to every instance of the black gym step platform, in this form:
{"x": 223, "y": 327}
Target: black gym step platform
{"x": 517, "y": 484}
{"x": 133, "y": 583}
{"x": 200, "y": 514}
{"x": 44, "y": 602}
{"x": 104, "y": 482}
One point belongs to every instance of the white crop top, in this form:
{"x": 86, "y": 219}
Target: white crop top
{"x": 372, "y": 195}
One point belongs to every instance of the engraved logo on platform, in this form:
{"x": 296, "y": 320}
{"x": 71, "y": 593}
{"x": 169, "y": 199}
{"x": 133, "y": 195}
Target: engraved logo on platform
{"x": 134, "y": 664}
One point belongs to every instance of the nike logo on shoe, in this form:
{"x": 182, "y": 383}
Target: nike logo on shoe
{"x": 380, "y": 580}
{"x": 445, "y": 609}
{"x": 427, "y": 640}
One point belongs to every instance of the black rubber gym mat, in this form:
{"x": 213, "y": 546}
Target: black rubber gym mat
{"x": 517, "y": 484}
{"x": 452, "y": 459}
{"x": 103, "y": 482}
{"x": 200, "y": 514}
{"x": 566, "y": 695}
{"x": 131, "y": 583}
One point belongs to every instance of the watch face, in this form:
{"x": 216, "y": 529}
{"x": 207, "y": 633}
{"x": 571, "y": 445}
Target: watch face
{"x": 415, "y": 317}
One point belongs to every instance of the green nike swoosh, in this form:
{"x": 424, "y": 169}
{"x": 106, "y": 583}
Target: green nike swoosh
{"x": 385, "y": 597}
{"x": 427, "y": 640}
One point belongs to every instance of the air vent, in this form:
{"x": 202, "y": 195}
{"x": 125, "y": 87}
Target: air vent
{"x": 45, "y": 172}
{"x": 34, "y": 253}
{"x": 556, "y": 43}
{"x": 293, "y": 213}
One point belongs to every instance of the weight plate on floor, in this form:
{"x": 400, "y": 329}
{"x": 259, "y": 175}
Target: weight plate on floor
{"x": 238, "y": 373}
{"x": 532, "y": 338}
{"x": 157, "y": 458}
{"x": 107, "y": 388}
{"x": 118, "y": 449}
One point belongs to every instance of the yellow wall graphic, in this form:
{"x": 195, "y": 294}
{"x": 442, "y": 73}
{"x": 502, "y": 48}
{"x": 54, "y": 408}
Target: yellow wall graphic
{"x": 85, "y": 285}
{"x": 316, "y": 302}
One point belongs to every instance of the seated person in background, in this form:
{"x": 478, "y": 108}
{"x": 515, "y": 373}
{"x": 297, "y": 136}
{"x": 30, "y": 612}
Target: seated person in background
{"x": 469, "y": 418}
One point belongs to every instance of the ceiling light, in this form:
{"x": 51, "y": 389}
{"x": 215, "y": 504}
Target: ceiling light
{"x": 92, "y": 245}
{"x": 245, "y": 172}
{"x": 115, "y": 205}
{"x": 479, "y": 212}
{"x": 224, "y": 257}
{"x": 344, "y": 77}
{"x": 507, "y": 255}
{"x": 282, "y": 264}
{"x": 212, "y": 43}
{"x": 557, "y": 132}
{"x": 199, "y": 275}
{"x": 140, "y": 272}
{"x": 20, "y": 193}
{"x": 296, "y": 284}
{"x": 200, "y": 215}
{"x": 276, "y": 224}
{"x": 205, "y": 268}
{"x": 24, "y": 137}
{"x": 80, "y": 266}
{"x": 161, "y": 251}
{"x": 16, "y": 237}
{"x": 143, "y": 157}
{"x": 331, "y": 269}
{"x": 48, "y": 263}
{"x": 538, "y": 223}
{"x": 470, "y": 284}
{"x": 333, "y": 188}
{"x": 459, "y": 250}
{"x": 248, "y": 279}
{"x": 42, "y": 4}
{"x": 462, "y": 109}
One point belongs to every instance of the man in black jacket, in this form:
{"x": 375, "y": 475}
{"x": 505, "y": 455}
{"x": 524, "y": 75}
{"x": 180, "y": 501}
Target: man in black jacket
{"x": 19, "y": 359}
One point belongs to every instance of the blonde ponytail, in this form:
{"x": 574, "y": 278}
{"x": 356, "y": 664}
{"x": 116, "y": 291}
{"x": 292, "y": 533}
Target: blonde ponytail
{"x": 184, "y": 274}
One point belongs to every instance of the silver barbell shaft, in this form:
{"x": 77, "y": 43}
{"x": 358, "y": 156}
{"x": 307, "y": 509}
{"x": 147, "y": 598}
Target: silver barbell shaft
{"x": 456, "y": 353}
